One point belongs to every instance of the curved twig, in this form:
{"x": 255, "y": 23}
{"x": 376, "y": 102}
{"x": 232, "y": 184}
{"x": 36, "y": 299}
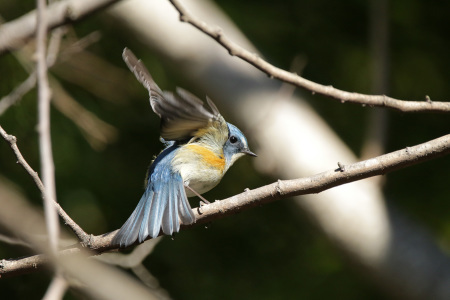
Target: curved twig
{"x": 12, "y": 140}
{"x": 329, "y": 91}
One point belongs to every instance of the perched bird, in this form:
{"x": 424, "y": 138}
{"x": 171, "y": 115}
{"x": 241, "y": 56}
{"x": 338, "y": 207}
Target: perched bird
{"x": 201, "y": 146}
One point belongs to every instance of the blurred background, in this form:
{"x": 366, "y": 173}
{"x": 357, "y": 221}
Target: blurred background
{"x": 105, "y": 136}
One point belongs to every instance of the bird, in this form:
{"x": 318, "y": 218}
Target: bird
{"x": 200, "y": 147}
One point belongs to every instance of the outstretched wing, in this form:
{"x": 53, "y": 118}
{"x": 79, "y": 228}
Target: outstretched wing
{"x": 182, "y": 114}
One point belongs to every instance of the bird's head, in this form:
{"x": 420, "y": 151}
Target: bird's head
{"x": 236, "y": 146}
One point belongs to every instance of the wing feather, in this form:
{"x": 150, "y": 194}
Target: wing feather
{"x": 182, "y": 114}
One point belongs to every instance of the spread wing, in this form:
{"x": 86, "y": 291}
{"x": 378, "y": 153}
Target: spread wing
{"x": 182, "y": 114}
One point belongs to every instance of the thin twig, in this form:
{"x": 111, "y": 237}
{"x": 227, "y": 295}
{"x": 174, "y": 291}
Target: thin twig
{"x": 97, "y": 132}
{"x": 134, "y": 261}
{"x": 80, "y": 45}
{"x": 14, "y": 241}
{"x": 12, "y": 140}
{"x": 54, "y": 45}
{"x": 329, "y": 91}
{"x": 17, "y": 94}
{"x": 276, "y": 191}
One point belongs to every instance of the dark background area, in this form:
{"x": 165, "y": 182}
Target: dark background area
{"x": 269, "y": 252}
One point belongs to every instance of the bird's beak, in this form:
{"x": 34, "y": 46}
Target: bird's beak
{"x": 248, "y": 152}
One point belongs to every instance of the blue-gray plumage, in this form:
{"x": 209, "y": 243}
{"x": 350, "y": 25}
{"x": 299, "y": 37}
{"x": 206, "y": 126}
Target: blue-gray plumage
{"x": 201, "y": 148}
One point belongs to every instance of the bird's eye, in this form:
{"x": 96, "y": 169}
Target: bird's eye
{"x": 233, "y": 139}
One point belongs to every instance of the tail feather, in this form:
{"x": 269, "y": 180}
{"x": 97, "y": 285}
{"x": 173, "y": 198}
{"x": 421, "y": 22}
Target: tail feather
{"x": 170, "y": 224}
{"x": 162, "y": 205}
{"x": 157, "y": 212}
{"x": 144, "y": 205}
{"x": 132, "y": 228}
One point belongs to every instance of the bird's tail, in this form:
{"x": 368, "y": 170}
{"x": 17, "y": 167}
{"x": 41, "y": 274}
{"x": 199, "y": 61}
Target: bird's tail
{"x": 163, "y": 205}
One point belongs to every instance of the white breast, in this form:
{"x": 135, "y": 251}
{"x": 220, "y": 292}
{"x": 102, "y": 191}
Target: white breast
{"x": 195, "y": 172}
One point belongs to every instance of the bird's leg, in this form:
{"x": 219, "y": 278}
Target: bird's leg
{"x": 203, "y": 200}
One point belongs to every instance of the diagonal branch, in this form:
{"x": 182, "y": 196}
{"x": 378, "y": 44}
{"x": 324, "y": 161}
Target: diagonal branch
{"x": 14, "y": 33}
{"x": 12, "y": 140}
{"x": 17, "y": 93}
{"x": 329, "y": 91}
{"x": 276, "y": 191}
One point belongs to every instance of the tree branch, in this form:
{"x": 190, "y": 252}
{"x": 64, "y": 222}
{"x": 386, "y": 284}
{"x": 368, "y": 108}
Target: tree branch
{"x": 279, "y": 190}
{"x": 328, "y": 91}
{"x": 17, "y": 93}
{"x": 12, "y": 140}
{"x": 45, "y": 143}
{"x": 15, "y": 33}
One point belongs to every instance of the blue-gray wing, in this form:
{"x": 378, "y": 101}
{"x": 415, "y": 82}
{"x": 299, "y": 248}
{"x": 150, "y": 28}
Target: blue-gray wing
{"x": 162, "y": 206}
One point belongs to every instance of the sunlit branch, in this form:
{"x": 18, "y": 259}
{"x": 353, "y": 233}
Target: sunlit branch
{"x": 329, "y": 91}
{"x": 344, "y": 173}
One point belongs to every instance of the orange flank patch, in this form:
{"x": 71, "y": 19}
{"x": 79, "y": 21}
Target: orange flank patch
{"x": 209, "y": 157}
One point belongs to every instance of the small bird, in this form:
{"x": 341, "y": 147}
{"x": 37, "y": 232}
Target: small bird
{"x": 200, "y": 147}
